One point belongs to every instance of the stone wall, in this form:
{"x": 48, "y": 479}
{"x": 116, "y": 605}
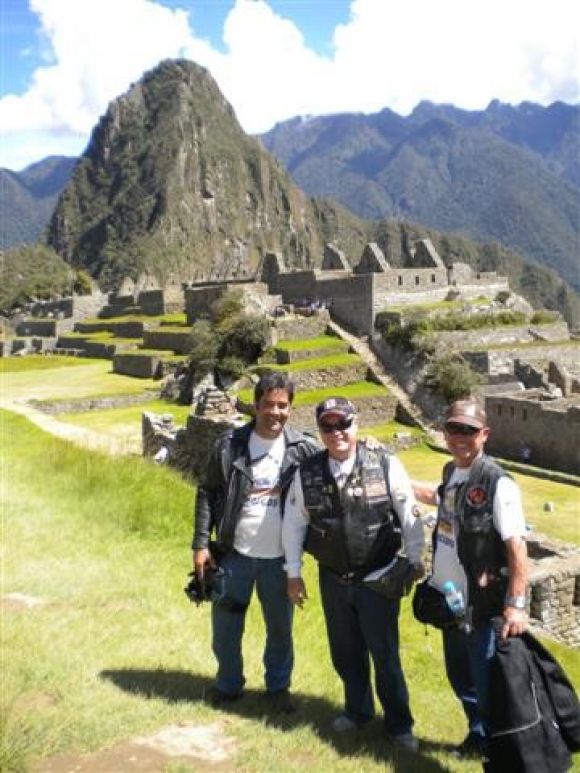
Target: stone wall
{"x": 188, "y": 448}
{"x": 411, "y": 280}
{"x": 550, "y": 428}
{"x": 408, "y": 368}
{"x": 553, "y": 599}
{"x": 43, "y": 327}
{"x": 320, "y": 378}
{"x": 295, "y": 327}
{"x": 83, "y": 404}
{"x": 75, "y": 307}
{"x": 506, "y": 335}
{"x": 284, "y": 357}
{"x": 495, "y": 361}
{"x": 172, "y": 339}
{"x": 370, "y": 411}
{"x": 152, "y": 302}
{"x": 348, "y": 296}
{"x": 138, "y": 365}
{"x": 200, "y": 298}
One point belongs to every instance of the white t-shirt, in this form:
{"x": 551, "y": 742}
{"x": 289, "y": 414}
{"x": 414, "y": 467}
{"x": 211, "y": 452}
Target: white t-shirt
{"x": 259, "y": 529}
{"x": 508, "y": 519}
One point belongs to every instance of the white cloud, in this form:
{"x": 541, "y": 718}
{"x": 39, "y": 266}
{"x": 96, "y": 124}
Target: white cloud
{"x": 389, "y": 54}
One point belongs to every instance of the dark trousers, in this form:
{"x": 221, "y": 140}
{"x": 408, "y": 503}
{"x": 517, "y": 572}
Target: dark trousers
{"x": 362, "y": 625}
{"x": 229, "y": 617}
{"x": 467, "y": 657}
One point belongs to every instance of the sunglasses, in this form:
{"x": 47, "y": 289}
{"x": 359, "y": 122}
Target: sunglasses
{"x": 461, "y": 429}
{"x": 337, "y": 426}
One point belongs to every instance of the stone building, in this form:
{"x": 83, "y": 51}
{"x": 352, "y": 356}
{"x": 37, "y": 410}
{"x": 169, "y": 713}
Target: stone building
{"x": 549, "y": 426}
{"x": 356, "y": 295}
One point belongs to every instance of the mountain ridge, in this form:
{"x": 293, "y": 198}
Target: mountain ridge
{"x": 523, "y": 165}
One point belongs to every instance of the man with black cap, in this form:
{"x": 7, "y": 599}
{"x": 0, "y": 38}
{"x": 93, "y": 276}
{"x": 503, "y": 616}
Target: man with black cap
{"x": 353, "y": 508}
{"x": 479, "y": 546}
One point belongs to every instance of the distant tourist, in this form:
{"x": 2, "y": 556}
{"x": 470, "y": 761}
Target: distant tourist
{"x": 352, "y": 507}
{"x": 238, "y": 503}
{"x": 479, "y": 546}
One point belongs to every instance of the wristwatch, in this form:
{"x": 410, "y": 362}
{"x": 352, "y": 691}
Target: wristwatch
{"x": 518, "y": 602}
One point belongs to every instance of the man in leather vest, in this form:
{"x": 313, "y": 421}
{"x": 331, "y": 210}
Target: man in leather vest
{"x": 239, "y": 502}
{"x": 479, "y": 545}
{"x": 353, "y": 508}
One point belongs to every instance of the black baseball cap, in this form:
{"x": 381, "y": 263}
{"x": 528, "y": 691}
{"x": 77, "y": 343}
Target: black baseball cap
{"x": 335, "y": 406}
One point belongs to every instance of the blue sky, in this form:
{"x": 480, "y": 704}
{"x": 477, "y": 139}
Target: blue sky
{"x": 63, "y": 61}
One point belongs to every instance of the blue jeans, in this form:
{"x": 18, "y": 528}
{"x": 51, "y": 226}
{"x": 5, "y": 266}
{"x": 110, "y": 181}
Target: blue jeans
{"x": 229, "y": 617}
{"x": 363, "y": 625}
{"x": 467, "y": 658}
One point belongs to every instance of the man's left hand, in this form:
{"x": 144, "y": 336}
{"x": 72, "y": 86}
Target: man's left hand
{"x": 515, "y": 622}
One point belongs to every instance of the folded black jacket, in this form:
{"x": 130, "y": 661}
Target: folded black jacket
{"x": 534, "y": 720}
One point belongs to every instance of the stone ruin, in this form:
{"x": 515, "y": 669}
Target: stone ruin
{"x": 553, "y": 601}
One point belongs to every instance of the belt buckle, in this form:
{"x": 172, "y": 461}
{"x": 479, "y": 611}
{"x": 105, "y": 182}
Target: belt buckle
{"x": 347, "y": 577}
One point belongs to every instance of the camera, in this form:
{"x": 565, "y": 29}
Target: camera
{"x": 210, "y": 587}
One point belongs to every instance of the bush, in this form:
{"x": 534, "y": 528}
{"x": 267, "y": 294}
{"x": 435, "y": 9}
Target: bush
{"x": 247, "y": 337}
{"x": 451, "y": 376}
{"x": 228, "y": 343}
{"x": 544, "y": 317}
{"x": 204, "y": 349}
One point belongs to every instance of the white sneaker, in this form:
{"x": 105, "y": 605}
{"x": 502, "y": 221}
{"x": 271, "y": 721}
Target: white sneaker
{"x": 406, "y": 741}
{"x": 343, "y": 724}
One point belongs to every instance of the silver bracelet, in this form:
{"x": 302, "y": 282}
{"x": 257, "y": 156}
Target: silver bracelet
{"x": 518, "y": 602}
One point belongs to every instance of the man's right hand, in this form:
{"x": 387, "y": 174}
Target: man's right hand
{"x": 296, "y": 590}
{"x": 201, "y": 559}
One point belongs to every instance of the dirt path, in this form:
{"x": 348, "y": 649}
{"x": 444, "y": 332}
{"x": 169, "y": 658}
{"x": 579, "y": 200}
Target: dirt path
{"x": 85, "y": 438}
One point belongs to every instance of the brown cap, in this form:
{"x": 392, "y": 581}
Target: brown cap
{"x": 469, "y": 412}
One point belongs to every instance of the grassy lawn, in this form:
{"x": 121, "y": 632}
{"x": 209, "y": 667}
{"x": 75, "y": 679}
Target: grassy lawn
{"x": 386, "y": 432}
{"x": 33, "y": 362}
{"x": 116, "y": 650}
{"x": 329, "y": 361}
{"x": 175, "y": 318}
{"x": 354, "y": 391}
{"x": 305, "y": 344}
{"x": 46, "y": 378}
{"x": 125, "y": 421}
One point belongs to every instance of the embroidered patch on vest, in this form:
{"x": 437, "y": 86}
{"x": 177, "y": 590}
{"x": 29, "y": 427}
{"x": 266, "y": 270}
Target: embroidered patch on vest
{"x": 477, "y": 496}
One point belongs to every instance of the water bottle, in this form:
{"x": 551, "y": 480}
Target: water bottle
{"x": 454, "y": 599}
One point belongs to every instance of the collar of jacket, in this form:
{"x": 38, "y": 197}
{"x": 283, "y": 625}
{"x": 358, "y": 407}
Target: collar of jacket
{"x": 240, "y": 446}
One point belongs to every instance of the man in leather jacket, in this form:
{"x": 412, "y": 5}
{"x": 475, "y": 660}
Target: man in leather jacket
{"x": 239, "y": 503}
{"x": 479, "y": 545}
{"x": 352, "y": 507}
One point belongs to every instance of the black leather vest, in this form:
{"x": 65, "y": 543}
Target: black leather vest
{"x": 354, "y": 529}
{"x": 480, "y": 548}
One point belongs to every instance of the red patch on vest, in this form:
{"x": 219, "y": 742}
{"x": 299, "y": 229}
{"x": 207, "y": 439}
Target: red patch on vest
{"x": 477, "y": 496}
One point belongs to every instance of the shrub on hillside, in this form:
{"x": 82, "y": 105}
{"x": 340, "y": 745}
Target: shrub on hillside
{"x": 544, "y": 317}
{"x": 229, "y": 342}
{"x": 32, "y": 272}
{"x": 451, "y": 377}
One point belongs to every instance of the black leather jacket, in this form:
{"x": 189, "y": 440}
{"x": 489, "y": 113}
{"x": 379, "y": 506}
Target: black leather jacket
{"x": 229, "y": 479}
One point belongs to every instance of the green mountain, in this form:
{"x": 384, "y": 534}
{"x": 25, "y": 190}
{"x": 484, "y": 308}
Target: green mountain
{"x": 28, "y": 198}
{"x": 510, "y": 174}
{"x": 171, "y": 184}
